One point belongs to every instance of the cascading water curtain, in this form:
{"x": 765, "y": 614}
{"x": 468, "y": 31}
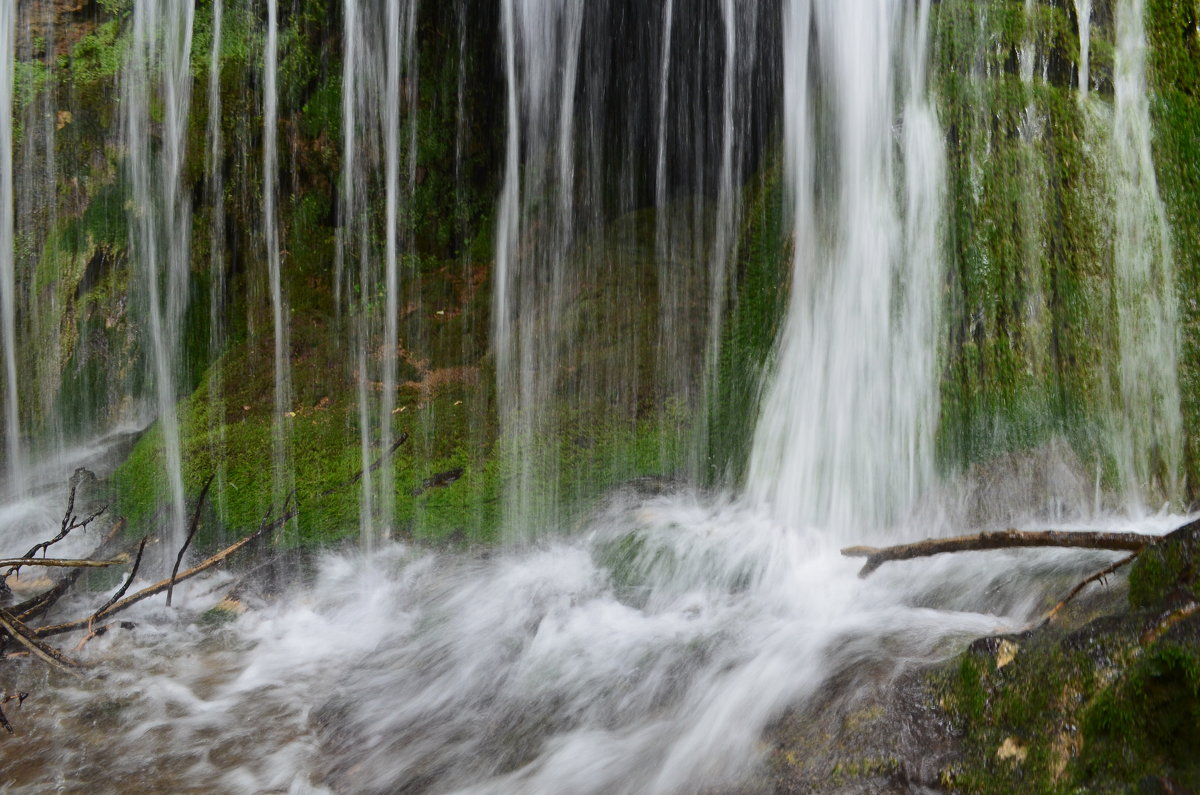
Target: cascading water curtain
{"x": 1148, "y": 436}
{"x": 158, "y": 69}
{"x": 379, "y": 85}
{"x": 541, "y": 61}
{"x": 845, "y": 436}
{"x": 709, "y": 231}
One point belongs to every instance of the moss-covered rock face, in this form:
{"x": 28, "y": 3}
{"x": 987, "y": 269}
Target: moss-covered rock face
{"x": 1167, "y": 572}
{"x": 1173, "y": 61}
{"x": 1112, "y": 705}
{"x": 758, "y": 300}
{"x": 1030, "y": 327}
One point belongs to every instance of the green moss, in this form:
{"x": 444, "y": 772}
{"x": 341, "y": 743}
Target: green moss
{"x": 1173, "y": 58}
{"x": 235, "y": 438}
{"x": 1170, "y": 567}
{"x": 1147, "y": 727}
{"x": 751, "y": 327}
{"x": 1029, "y": 341}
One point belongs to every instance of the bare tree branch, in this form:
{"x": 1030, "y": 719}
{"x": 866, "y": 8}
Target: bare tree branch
{"x": 39, "y": 648}
{"x": 1005, "y": 539}
{"x": 1100, "y": 575}
{"x": 191, "y": 533}
{"x": 265, "y": 527}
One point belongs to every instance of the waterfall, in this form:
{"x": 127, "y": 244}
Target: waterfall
{"x": 215, "y": 168}
{"x": 12, "y": 424}
{"x": 1149, "y": 428}
{"x": 400, "y": 26}
{"x": 281, "y": 471}
{"x": 845, "y": 435}
{"x": 160, "y": 223}
{"x": 541, "y": 59}
{"x": 379, "y": 84}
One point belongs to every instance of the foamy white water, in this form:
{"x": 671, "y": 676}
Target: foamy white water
{"x": 646, "y": 654}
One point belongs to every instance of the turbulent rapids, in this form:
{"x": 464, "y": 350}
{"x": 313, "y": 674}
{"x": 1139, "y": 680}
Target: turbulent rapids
{"x": 556, "y": 350}
{"x": 647, "y": 654}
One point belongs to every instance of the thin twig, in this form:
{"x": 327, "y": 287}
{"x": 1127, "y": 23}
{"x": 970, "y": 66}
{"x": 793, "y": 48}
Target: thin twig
{"x": 69, "y": 522}
{"x": 44, "y": 601}
{"x": 1152, "y": 635}
{"x": 125, "y": 587}
{"x": 1100, "y": 575}
{"x": 357, "y": 476}
{"x": 191, "y": 533}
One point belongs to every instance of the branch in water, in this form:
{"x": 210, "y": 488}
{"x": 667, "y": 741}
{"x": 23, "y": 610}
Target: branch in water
{"x": 1004, "y": 539}
{"x": 265, "y": 527}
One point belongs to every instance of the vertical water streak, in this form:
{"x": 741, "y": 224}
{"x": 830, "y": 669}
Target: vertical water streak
{"x": 728, "y": 208}
{"x": 379, "y": 85}
{"x": 280, "y": 470}
{"x": 347, "y": 236}
{"x": 845, "y": 434}
{"x": 14, "y": 452}
{"x": 215, "y": 169}
{"x": 391, "y": 137}
{"x": 541, "y": 61}
{"x": 1149, "y": 424}
{"x": 660, "y": 163}
{"x": 160, "y": 221}
{"x": 1083, "y": 11}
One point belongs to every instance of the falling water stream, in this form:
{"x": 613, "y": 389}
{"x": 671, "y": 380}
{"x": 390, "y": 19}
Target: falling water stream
{"x": 647, "y": 647}
{"x": 159, "y": 66}
{"x": 1149, "y": 436}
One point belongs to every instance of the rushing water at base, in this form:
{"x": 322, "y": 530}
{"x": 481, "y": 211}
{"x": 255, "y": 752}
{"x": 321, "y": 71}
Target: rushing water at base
{"x": 650, "y": 649}
{"x": 646, "y": 654}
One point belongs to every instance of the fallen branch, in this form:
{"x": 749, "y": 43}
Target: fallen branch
{"x": 45, "y": 600}
{"x": 1005, "y": 539}
{"x": 265, "y": 527}
{"x": 1100, "y": 575}
{"x": 137, "y": 562}
{"x": 188, "y": 541}
{"x": 16, "y": 630}
{"x": 1152, "y": 635}
{"x": 20, "y": 699}
{"x": 62, "y": 563}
